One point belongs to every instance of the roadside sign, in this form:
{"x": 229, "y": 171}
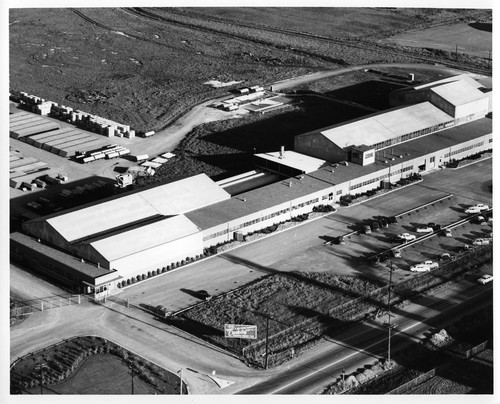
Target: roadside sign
{"x": 240, "y": 331}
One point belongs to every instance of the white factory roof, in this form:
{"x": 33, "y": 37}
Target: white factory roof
{"x": 143, "y": 238}
{"x": 295, "y": 160}
{"x": 465, "y": 78}
{"x": 458, "y": 92}
{"x": 384, "y": 126}
{"x": 170, "y": 199}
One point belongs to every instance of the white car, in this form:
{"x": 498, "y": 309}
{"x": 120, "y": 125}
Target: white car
{"x": 431, "y": 264}
{"x": 447, "y": 233}
{"x": 407, "y": 236}
{"x": 419, "y": 268}
{"x": 425, "y": 229}
{"x": 485, "y": 279}
{"x": 472, "y": 209}
{"x": 481, "y": 241}
{"x": 482, "y": 206}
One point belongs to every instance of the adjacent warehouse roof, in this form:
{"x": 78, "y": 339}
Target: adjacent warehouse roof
{"x": 465, "y": 78}
{"x": 294, "y": 160}
{"x": 167, "y": 200}
{"x": 143, "y": 238}
{"x": 458, "y": 92}
{"x": 255, "y": 201}
{"x": 384, "y": 126}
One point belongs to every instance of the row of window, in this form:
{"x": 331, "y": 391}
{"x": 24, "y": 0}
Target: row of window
{"x": 261, "y": 219}
{"x": 463, "y": 149}
{"x": 382, "y": 177}
{"x": 412, "y": 135}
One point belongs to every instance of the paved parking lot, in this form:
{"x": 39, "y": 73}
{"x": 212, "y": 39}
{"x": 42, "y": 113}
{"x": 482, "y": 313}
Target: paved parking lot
{"x": 302, "y": 248}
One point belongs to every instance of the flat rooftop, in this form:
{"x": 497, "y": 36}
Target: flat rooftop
{"x": 294, "y": 160}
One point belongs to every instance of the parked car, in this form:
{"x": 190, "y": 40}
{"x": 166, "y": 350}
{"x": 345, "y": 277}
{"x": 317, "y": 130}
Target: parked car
{"x": 447, "y": 233}
{"x": 431, "y": 264}
{"x": 396, "y": 253}
{"x": 367, "y": 229}
{"x": 425, "y": 229}
{"x": 406, "y": 236}
{"x": 444, "y": 256}
{"x": 480, "y": 219}
{"x": 485, "y": 279}
{"x": 481, "y": 241}
{"x": 482, "y": 206}
{"x": 419, "y": 268}
{"x": 204, "y": 295}
{"x": 472, "y": 210}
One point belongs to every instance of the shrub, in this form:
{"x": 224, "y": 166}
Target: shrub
{"x": 165, "y": 269}
{"x": 134, "y": 280}
{"x": 128, "y": 281}
{"x": 177, "y": 264}
{"x": 149, "y": 274}
{"x": 124, "y": 283}
{"x": 153, "y": 273}
{"x": 183, "y": 262}
{"x": 139, "y": 278}
{"x": 143, "y": 276}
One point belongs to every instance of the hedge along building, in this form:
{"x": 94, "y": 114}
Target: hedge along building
{"x": 149, "y": 229}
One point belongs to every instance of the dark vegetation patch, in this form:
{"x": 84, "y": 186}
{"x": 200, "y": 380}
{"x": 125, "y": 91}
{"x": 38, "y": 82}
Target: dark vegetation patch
{"x": 89, "y": 365}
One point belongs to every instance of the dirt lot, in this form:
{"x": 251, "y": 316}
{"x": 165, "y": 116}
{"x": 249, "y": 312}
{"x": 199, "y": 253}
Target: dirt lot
{"x": 144, "y": 67}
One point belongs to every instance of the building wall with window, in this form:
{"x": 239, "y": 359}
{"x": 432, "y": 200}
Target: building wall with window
{"x": 267, "y": 217}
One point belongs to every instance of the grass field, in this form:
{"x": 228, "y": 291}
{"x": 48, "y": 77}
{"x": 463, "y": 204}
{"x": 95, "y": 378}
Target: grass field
{"x": 102, "y": 374}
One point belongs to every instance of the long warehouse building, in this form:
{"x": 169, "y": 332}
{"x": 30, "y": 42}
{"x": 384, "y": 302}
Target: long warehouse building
{"x": 152, "y": 228}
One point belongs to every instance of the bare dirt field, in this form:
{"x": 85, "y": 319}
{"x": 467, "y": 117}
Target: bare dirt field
{"x": 144, "y": 67}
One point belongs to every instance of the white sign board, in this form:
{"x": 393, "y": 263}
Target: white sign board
{"x": 240, "y": 331}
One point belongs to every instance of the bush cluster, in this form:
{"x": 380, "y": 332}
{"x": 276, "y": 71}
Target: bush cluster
{"x": 158, "y": 271}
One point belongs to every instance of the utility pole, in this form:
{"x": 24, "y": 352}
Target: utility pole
{"x": 181, "y": 381}
{"x": 132, "y": 380}
{"x": 389, "y": 314}
{"x": 267, "y": 341}
{"x": 40, "y": 367}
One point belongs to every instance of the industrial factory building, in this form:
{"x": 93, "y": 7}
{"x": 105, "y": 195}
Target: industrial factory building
{"x": 152, "y": 228}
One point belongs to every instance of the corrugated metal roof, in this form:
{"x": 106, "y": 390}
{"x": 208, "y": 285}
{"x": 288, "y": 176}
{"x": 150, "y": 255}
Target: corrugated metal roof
{"x": 145, "y": 237}
{"x": 169, "y": 199}
{"x": 385, "y": 126}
